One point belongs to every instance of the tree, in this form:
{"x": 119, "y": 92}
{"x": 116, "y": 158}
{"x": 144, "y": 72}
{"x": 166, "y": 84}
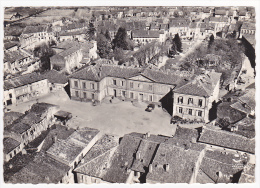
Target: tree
{"x": 104, "y": 46}
{"x": 120, "y": 40}
{"x": 44, "y": 52}
{"x": 107, "y": 35}
{"x": 91, "y": 31}
{"x": 178, "y": 43}
{"x": 173, "y": 50}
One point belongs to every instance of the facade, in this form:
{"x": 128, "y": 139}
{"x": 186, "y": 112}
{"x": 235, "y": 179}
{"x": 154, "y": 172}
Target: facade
{"x": 135, "y": 84}
{"x": 11, "y": 148}
{"x": 24, "y": 88}
{"x": 194, "y": 99}
{"x": 146, "y": 36}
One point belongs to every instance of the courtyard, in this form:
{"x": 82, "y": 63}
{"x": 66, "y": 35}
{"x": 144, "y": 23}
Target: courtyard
{"x": 113, "y": 118}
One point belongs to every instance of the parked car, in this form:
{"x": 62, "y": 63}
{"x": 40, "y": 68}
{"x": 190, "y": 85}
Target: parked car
{"x": 150, "y": 108}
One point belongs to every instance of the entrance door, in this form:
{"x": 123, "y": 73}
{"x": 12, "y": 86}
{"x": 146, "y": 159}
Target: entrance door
{"x": 141, "y": 97}
{"x": 114, "y": 92}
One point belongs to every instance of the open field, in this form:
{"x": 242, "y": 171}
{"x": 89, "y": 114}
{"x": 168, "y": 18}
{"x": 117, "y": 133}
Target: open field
{"x": 117, "y": 119}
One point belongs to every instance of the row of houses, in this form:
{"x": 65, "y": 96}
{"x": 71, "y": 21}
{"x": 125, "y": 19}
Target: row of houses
{"x": 190, "y": 156}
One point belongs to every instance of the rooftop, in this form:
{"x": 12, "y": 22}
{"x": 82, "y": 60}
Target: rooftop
{"x": 36, "y": 29}
{"x": 227, "y": 140}
{"x": 145, "y": 34}
{"x": 22, "y": 80}
{"x": 13, "y": 56}
{"x": 43, "y": 169}
{"x": 10, "y": 144}
{"x": 10, "y": 117}
{"x": 55, "y": 77}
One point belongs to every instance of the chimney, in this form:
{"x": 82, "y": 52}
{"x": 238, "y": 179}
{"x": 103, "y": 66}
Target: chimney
{"x": 150, "y": 168}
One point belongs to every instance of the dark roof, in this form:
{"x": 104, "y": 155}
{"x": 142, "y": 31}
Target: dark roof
{"x": 67, "y": 150}
{"x": 8, "y": 45}
{"x": 246, "y": 127}
{"x": 54, "y": 76}
{"x": 36, "y": 29}
{"x": 43, "y": 169}
{"x": 69, "y": 51}
{"x": 94, "y": 162}
{"x": 145, "y": 34}
{"x": 227, "y": 140}
{"x": 10, "y": 117}
{"x": 181, "y": 163}
{"x": 10, "y": 144}
{"x": 58, "y": 60}
{"x": 202, "y": 85}
{"x": 62, "y": 114}
{"x": 186, "y": 133}
{"x": 22, "y": 80}
{"x": 41, "y": 108}
{"x": 248, "y": 25}
{"x": 97, "y": 73}
{"x": 13, "y": 56}
{"x": 19, "y": 127}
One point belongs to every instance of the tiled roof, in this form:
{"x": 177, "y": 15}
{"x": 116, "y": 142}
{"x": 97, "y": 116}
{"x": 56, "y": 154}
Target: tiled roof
{"x": 73, "y": 26}
{"x": 8, "y": 45}
{"x": 36, "y": 29}
{"x": 181, "y": 164}
{"x": 246, "y": 127}
{"x": 22, "y": 80}
{"x": 10, "y": 144}
{"x": 54, "y": 76}
{"x": 57, "y": 60}
{"x": 248, "y": 25}
{"x": 81, "y": 32}
{"x": 202, "y": 85}
{"x": 97, "y": 73}
{"x": 13, "y": 56}
{"x": 18, "y": 127}
{"x": 227, "y": 140}
{"x": 10, "y": 117}
{"x": 43, "y": 169}
{"x": 69, "y": 51}
{"x": 145, "y": 34}
{"x": 67, "y": 150}
{"x": 220, "y": 12}
{"x": 249, "y": 98}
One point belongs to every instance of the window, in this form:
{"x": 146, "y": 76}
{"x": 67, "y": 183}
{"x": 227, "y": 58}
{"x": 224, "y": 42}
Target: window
{"x": 151, "y": 98}
{"x": 77, "y": 93}
{"x": 76, "y": 83}
{"x": 190, "y": 111}
{"x": 84, "y": 85}
{"x": 93, "y": 96}
{"x": 11, "y": 156}
{"x": 190, "y": 101}
{"x": 85, "y": 95}
{"x": 150, "y": 87}
{"x": 122, "y": 83}
{"x": 124, "y": 93}
{"x": 92, "y": 86}
{"x": 131, "y": 84}
{"x": 200, "y": 113}
{"x": 10, "y": 95}
{"x": 200, "y": 102}
{"x": 180, "y": 110}
{"x": 180, "y": 100}
{"x": 114, "y": 82}
{"x": 131, "y": 95}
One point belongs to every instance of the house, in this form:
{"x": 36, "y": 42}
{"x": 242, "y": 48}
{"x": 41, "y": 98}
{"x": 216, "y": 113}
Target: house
{"x": 97, "y": 82}
{"x": 10, "y": 46}
{"x": 220, "y": 166}
{"x": 30, "y": 125}
{"x": 227, "y": 140}
{"x": 11, "y": 148}
{"x": 95, "y": 163}
{"x": 248, "y": 28}
{"x": 173, "y": 164}
{"x": 248, "y": 174}
{"x": 10, "y": 117}
{"x": 194, "y": 99}
{"x": 43, "y": 169}
{"x": 33, "y": 36}
{"x": 180, "y": 26}
{"x": 75, "y": 35}
{"x": 68, "y": 59}
{"x": 145, "y": 36}
{"x": 24, "y": 88}
{"x": 56, "y": 80}
{"x": 71, "y": 150}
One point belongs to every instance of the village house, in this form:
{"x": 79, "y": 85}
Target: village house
{"x": 67, "y": 60}
{"x": 11, "y": 148}
{"x": 94, "y": 164}
{"x": 34, "y": 36}
{"x": 194, "y": 99}
{"x": 71, "y": 150}
{"x": 248, "y": 28}
{"x": 180, "y": 26}
{"x": 24, "y": 88}
{"x": 10, "y": 46}
{"x": 56, "y": 81}
{"x": 29, "y": 126}
{"x": 146, "y": 36}
{"x": 97, "y": 82}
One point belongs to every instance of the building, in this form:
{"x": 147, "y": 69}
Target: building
{"x": 97, "y": 82}
{"x": 194, "y": 99}
{"x": 34, "y": 36}
{"x": 68, "y": 59}
{"x": 24, "y": 88}
{"x": 56, "y": 81}
{"x": 146, "y": 36}
{"x": 71, "y": 150}
{"x": 75, "y": 35}
{"x": 95, "y": 163}
{"x": 11, "y": 148}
